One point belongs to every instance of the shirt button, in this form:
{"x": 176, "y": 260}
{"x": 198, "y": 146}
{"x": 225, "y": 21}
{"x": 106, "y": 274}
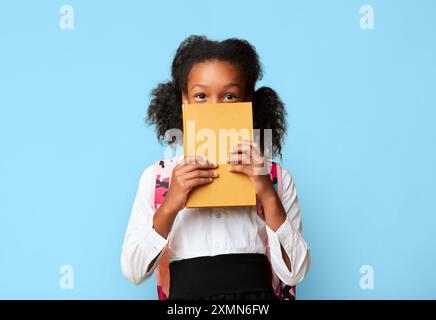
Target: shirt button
{"x": 218, "y": 215}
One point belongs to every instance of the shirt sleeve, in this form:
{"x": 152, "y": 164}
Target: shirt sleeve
{"x": 290, "y": 236}
{"x": 142, "y": 243}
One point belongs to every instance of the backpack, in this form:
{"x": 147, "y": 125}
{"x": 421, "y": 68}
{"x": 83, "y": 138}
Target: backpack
{"x": 163, "y": 171}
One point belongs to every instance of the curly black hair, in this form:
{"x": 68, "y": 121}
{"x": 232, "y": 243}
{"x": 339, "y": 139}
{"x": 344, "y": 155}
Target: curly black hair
{"x": 166, "y": 99}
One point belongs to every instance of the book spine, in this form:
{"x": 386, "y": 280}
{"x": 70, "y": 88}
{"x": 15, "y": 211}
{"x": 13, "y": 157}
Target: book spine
{"x": 184, "y": 130}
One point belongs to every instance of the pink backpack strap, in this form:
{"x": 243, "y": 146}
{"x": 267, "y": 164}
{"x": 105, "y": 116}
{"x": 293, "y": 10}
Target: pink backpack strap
{"x": 275, "y": 172}
{"x": 282, "y": 290}
{"x": 163, "y": 171}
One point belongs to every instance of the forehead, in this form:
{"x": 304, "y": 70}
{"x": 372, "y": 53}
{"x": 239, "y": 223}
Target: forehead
{"x": 215, "y": 72}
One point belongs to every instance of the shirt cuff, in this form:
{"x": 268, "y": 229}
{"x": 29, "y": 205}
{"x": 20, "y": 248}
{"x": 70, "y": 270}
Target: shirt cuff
{"x": 157, "y": 241}
{"x": 284, "y": 234}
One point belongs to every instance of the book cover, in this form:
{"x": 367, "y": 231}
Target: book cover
{"x": 210, "y": 130}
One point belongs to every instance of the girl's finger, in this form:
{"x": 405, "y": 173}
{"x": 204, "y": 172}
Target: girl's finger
{"x": 236, "y": 158}
{"x": 192, "y": 183}
{"x": 200, "y": 174}
{"x": 256, "y": 152}
{"x": 254, "y": 146}
{"x": 196, "y": 166}
{"x": 240, "y": 148}
{"x": 246, "y": 156}
{"x": 192, "y": 159}
{"x": 240, "y": 168}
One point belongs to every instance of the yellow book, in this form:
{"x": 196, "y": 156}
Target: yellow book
{"x": 210, "y": 130}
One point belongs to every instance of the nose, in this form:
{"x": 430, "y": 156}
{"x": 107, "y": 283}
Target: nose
{"x": 213, "y": 99}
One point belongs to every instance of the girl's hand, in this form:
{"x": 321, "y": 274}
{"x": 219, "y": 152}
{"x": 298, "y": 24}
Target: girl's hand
{"x": 189, "y": 173}
{"x": 246, "y": 157}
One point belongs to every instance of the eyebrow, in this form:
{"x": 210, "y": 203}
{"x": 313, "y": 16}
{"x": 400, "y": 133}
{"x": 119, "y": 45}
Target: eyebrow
{"x": 232, "y": 85}
{"x": 226, "y": 86}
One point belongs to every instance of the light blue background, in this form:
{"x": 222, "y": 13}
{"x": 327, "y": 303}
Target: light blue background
{"x": 361, "y": 142}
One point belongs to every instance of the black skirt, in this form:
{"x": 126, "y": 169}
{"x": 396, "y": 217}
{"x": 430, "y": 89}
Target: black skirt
{"x": 236, "y": 276}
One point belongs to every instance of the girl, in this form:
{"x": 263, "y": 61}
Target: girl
{"x": 227, "y": 252}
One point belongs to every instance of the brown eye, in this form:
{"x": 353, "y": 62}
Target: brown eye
{"x": 200, "y": 97}
{"x": 229, "y": 97}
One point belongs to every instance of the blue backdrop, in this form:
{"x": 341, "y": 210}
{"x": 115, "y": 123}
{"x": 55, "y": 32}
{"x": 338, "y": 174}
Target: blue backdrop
{"x": 361, "y": 142}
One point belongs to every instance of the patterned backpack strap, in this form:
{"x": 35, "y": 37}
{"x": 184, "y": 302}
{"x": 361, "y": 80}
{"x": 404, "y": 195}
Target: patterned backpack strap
{"x": 276, "y": 177}
{"x": 282, "y": 290}
{"x": 163, "y": 171}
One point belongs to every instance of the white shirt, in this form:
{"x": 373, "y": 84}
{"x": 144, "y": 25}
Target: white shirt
{"x": 200, "y": 232}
